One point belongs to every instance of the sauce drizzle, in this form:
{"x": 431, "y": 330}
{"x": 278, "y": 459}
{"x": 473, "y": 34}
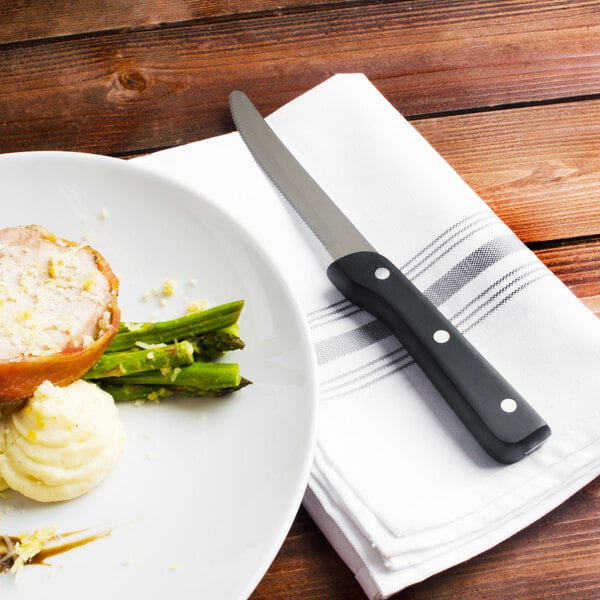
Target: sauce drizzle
{"x": 8, "y": 555}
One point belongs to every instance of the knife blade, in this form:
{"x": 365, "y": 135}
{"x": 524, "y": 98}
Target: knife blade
{"x": 506, "y": 426}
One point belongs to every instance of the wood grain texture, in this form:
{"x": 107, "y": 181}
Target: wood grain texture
{"x": 133, "y": 91}
{"x": 26, "y": 20}
{"x": 577, "y": 265}
{"x": 537, "y": 167}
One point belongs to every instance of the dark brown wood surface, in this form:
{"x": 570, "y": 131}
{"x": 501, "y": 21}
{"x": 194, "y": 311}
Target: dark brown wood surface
{"x": 508, "y": 91}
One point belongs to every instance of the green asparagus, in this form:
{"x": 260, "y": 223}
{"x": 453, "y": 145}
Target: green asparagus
{"x": 188, "y": 326}
{"x": 215, "y": 343}
{"x": 131, "y": 392}
{"x": 150, "y": 361}
{"x": 203, "y": 375}
{"x": 118, "y": 364}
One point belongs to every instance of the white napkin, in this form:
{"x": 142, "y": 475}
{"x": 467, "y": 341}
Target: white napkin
{"x": 398, "y": 485}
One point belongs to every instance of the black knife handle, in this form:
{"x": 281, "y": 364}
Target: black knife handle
{"x": 503, "y": 423}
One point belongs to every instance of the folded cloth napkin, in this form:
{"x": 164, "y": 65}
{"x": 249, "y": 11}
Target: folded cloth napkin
{"x": 399, "y": 486}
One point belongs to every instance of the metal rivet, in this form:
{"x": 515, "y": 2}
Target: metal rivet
{"x": 382, "y": 273}
{"x": 441, "y": 336}
{"x": 508, "y": 405}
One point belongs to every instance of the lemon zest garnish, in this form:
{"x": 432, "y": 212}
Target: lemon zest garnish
{"x": 30, "y": 544}
{"x": 169, "y": 287}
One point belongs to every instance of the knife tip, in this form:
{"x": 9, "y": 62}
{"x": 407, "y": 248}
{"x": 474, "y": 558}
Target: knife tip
{"x": 235, "y": 94}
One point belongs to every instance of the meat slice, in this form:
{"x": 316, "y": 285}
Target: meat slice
{"x": 58, "y": 311}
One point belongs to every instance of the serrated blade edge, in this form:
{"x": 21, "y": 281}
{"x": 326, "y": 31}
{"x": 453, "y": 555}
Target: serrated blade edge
{"x": 331, "y": 226}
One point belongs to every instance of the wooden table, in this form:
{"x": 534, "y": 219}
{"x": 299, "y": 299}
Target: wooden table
{"x": 507, "y": 90}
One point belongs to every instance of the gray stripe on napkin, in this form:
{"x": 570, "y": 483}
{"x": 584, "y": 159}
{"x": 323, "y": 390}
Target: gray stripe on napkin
{"x": 471, "y": 266}
{"x": 441, "y": 290}
{"x": 446, "y": 242}
{"x": 350, "y": 341}
{"x": 376, "y": 364}
{"x": 542, "y": 273}
{"x": 469, "y": 316}
{"x": 338, "y": 315}
{"x": 486, "y": 255}
{"x": 335, "y": 307}
{"x": 508, "y": 281}
{"x": 431, "y": 250}
{"x": 376, "y": 370}
{"x": 362, "y": 381}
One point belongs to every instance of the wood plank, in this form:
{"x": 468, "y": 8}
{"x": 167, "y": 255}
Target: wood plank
{"x": 578, "y": 267}
{"x": 23, "y": 20}
{"x": 537, "y": 167}
{"x": 128, "y": 92}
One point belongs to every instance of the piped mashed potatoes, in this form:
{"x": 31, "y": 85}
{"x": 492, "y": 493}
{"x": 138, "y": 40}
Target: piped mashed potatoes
{"x": 63, "y": 442}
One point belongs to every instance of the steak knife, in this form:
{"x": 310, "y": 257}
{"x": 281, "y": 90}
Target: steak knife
{"x": 498, "y": 417}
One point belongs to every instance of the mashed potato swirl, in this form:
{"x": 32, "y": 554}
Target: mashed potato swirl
{"x": 62, "y": 443}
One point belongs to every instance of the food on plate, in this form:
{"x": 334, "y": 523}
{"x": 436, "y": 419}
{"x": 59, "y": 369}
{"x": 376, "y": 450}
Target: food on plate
{"x": 190, "y": 325}
{"x": 176, "y": 357}
{"x": 58, "y": 311}
{"x": 34, "y": 547}
{"x": 16, "y": 551}
{"x": 65, "y": 358}
{"x": 62, "y": 443}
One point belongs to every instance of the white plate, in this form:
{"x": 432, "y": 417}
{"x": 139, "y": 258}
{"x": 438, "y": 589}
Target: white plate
{"x": 205, "y": 491}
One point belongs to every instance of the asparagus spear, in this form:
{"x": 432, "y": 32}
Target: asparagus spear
{"x": 214, "y": 344}
{"x": 118, "y": 364}
{"x": 185, "y": 327}
{"x": 174, "y": 365}
{"x": 131, "y": 392}
{"x": 198, "y": 375}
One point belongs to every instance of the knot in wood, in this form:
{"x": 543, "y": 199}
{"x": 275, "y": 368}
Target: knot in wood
{"x": 133, "y": 80}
